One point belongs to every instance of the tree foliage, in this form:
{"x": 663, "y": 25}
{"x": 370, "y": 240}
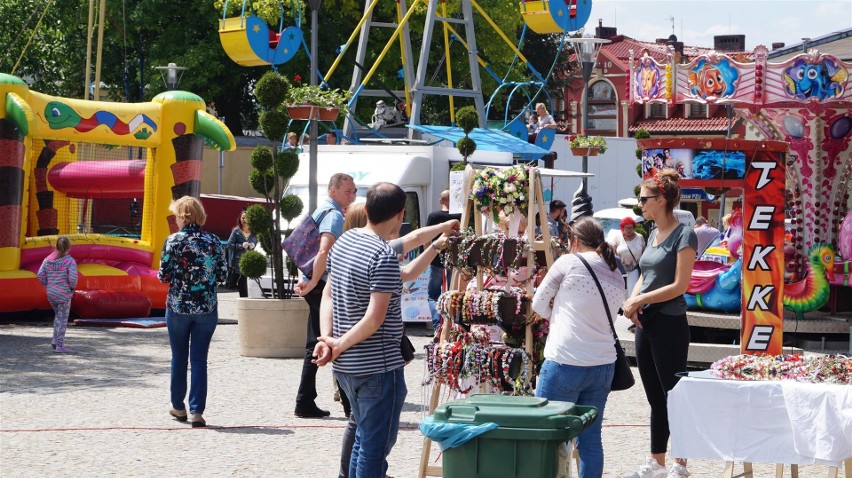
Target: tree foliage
{"x": 140, "y": 35}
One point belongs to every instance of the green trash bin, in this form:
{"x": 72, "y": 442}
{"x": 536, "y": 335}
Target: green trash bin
{"x": 526, "y": 442}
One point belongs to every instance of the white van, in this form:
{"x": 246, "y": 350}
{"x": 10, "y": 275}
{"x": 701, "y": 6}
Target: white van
{"x": 421, "y": 171}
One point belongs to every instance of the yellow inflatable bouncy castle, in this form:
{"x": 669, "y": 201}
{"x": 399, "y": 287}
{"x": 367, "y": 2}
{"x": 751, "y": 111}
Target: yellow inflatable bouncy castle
{"x": 102, "y": 174}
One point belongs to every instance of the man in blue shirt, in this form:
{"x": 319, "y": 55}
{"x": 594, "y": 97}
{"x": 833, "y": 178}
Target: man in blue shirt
{"x": 329, "y": 215}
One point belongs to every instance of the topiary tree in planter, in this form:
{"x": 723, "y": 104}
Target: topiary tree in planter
{"x": 270, "y": 175}
{"x": 466, "y": 118}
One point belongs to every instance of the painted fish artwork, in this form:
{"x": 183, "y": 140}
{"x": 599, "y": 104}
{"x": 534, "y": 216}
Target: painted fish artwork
{"x": 711, "y": 81}
{"x": 822, "y": 80}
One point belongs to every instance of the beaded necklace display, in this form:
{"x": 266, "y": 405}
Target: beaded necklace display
{"x": 811, "y": 369}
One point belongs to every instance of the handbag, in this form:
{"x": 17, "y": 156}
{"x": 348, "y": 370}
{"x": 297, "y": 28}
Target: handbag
{"x": 302, "y": 245}
{"x": 622, "y": 378}
{"x": 407, "y": 349}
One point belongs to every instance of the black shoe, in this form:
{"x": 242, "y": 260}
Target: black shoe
{"x": 314, "y": 412}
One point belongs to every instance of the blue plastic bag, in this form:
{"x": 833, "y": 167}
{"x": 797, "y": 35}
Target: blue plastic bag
{"x": 451, "y": 435}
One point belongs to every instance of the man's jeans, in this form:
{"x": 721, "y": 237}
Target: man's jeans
{"x": 583, "y": 386}
{"x": 376, "y": 405}
{"x": 189, "y": 337}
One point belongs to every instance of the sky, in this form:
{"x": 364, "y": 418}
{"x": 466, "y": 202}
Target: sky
{"x": 696, "y": 22}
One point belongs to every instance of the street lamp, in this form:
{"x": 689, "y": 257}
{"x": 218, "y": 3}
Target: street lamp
{"x": 171, "y": 75}
{"x": 314, "y": 5}
{"x": 586, "y": 54}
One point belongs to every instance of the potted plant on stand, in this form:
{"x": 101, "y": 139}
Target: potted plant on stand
{"x": 274, "y": 326}
{"x": 582, "y": 145}
{"x": 311, "y": 101}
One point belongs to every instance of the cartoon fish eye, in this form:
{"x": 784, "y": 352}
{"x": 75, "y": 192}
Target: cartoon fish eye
{"x": 55, "y": 112}
{"x": 800, "y": 74}
{"x": 812, "y": 74}
{"x": 710, "y": 82}
{"x": 826, "y": 258}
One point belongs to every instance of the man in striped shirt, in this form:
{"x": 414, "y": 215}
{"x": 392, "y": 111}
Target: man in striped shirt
{"x": 361, "y": 307}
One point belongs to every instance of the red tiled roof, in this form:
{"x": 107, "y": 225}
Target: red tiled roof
{"x": 682, "y": 125}
{"x": 621, "y": 45}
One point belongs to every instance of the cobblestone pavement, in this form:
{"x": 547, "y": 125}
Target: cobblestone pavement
{"x": 102, "y": 411}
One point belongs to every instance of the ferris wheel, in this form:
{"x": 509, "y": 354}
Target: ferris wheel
{"x": 250, "y": 42}
{"x": 540, "y": 16}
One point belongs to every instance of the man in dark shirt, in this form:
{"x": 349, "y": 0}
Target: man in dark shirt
{"x": 436, "y": 269}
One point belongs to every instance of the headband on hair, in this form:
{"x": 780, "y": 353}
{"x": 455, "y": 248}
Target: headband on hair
{"x": 659, "y": 184}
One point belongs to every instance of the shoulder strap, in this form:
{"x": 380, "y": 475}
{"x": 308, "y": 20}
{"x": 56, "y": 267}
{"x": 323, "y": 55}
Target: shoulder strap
{"x": 600, "y": 289}
{"x": 322, "y": 216}
{"x": 627, "y": 243}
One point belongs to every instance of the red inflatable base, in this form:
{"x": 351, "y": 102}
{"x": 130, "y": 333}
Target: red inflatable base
{"x": 92, "y": 304}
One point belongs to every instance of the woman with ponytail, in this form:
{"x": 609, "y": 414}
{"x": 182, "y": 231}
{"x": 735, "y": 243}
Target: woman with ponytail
{"x": 657, "y": 307}
{"x": 579, "y": 353}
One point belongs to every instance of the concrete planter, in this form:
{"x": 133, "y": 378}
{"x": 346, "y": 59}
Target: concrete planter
{"x": 272, "y": 328}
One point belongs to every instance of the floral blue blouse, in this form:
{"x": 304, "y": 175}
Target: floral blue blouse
{"x": 193, "y": 263}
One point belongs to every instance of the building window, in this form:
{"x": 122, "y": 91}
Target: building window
{"x": 657, "y": 110}
{"x": 603, "y": 110}
{"x": 697, "y": 110}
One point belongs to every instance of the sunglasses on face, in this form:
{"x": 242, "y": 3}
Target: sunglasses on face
{"x": 645, "y": 199}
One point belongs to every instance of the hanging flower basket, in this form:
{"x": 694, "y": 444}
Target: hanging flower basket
{"x": 307, "y": 112}
{"x": 582, "y": 145}
{"x": 585, "y": 151}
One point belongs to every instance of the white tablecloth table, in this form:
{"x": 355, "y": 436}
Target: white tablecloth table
{"x": 761, "y": 422}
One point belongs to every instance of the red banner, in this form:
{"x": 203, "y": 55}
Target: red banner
{"x": 763, "y": 255}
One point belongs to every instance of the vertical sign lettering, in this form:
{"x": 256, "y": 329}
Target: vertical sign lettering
{"x": 763, "y": 256}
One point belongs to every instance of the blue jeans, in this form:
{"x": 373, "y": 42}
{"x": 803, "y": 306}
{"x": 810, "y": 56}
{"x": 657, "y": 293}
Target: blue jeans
{"x": 189, "y": 337}
{"x": 376, "y": 405}
{"x": 588, "y": 386}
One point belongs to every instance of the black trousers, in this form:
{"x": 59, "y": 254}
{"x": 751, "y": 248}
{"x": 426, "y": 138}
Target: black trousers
{"x": 308, "y": 385}
{"x": 662, "y": 347}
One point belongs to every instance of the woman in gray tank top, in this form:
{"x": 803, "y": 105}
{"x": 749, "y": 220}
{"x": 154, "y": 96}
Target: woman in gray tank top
{"x": 657, "y": 307}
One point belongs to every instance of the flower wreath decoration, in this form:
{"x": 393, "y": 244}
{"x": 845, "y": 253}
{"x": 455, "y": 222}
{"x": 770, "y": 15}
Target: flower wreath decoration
{"x": 504, "y": 190}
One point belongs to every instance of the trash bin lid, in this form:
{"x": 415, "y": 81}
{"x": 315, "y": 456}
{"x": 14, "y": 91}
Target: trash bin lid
{"x": 508, "y": 411}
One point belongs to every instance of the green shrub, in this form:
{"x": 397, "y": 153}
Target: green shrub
{"x": 253, "y": 264}
{"x": 270, "y": 90}
{"x": 273, "y": 123}
{"x": 291, "y": 207}
{"x": 261, "y": 158}
{"x": 466, "y": 146}
{"x": 467, "y": 119}
{"x": 287, "y": 163}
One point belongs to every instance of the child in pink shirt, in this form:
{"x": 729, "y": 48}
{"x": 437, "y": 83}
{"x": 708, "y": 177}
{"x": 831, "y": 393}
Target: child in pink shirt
{"x": 58, "y": 273}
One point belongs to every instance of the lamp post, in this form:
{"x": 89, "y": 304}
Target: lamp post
{"x": 314, "y": 5}
{"x": 586, "y": 53}
{"x": 171, "y": 75}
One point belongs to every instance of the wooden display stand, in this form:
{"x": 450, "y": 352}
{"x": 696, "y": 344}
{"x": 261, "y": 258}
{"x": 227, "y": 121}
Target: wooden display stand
{"x": 536, "y": 206}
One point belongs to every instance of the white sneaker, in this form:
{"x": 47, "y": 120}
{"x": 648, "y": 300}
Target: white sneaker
{"x": 677, "y": 471}
{"x": 651, "y": 469}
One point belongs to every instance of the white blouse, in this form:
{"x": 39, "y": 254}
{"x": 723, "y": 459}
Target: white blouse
{"x": 579, "y": 330}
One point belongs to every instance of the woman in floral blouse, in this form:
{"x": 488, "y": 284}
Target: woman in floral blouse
{"x": 193, "y": 263}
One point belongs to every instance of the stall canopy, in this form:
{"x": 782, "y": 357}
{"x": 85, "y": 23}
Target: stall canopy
{"x": 486, "y": 139}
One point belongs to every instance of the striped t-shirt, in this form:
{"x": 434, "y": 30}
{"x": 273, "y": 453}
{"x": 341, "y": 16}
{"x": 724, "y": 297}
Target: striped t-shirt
{"x": 359, "y": 264}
